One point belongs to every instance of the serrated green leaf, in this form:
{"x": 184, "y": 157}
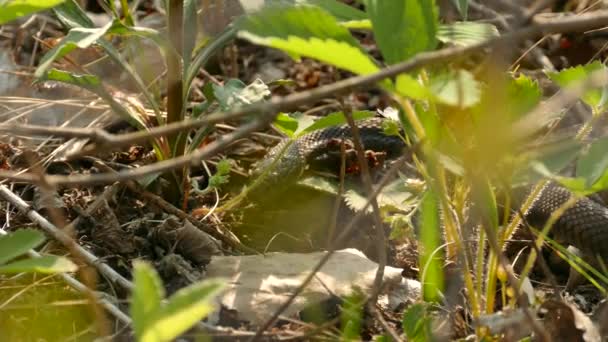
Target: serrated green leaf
{"x": 574, "y": 75}
{"x": 416, "y": 323}
{"x": 356, "y": 201}
{"x": 455, "y": 88}
{"x": 18, "y": 243}
{"x": 466, "y": 33}
{"x": 48, "y": 264}
{"x": 146, "y": 297}
{"x": 403, "y": 28}
{"x": 593, "y": 163}
{"x": 306, "y": 31}
{"x": 186, "y": 307}
{"x": 351, "y": 316}
{"x": 523, "y": 94}
{"x": 13, "y": 9}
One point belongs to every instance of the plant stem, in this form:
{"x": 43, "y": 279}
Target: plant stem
{"x": 175, "y": 100}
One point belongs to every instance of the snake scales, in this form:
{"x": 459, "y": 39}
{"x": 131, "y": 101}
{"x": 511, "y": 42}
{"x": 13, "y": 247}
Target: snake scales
{"x": 584, "y": 225}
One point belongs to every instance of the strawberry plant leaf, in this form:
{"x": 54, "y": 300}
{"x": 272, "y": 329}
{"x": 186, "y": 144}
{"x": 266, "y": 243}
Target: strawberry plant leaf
{"x": 18, "y": 243}
{"x": 465, "y": 33}
{"x": 403, "y": 28}
{"x": 306, "y": 31}
{"x": 456, "y": 88}
{"x": 47, "y": 264}
{"x": 596, "y": 98}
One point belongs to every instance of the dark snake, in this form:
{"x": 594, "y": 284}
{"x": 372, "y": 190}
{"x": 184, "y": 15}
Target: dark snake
{"x": 584, "y": 225}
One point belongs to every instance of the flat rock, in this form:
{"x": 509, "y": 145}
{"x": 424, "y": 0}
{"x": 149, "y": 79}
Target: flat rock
{"x": 259, "y": 285}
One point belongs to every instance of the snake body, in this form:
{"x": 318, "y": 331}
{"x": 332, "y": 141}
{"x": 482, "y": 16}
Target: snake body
{"x": 584, "y": 225}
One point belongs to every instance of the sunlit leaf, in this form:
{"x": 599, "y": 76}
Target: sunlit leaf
{"x": 146, "y": 297}
{"x": 456, "y": 88}
{"x": 47, "y": 264}
{"x": 430, "y": 239}
{"x": 13, "y": 9}
{"x": 523, "y": 94}
{"x": 309, "y": 32}
{"x": 235, "y": 93}
{"x": 408, "y": 86}
{"x": 466, "y": 33}
{"x": 184, "y": 309}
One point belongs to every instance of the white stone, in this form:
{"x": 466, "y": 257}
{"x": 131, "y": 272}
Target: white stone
{"x": 258, "y": 285}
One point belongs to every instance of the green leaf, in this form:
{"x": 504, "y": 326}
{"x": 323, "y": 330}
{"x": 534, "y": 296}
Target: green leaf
{"x": 13, "y": 9}
{"x": 593, "y": 163}
{"x": 306, "y": 31}
{"x": 336, "y": 118}
{"x": 456, "y": 88}
{"x": 408, "y": 86}
{"x": 294, "y": 123}
{"x": 463, "y": 7}
{"x": 430, "y": 239}
{"x": 77, "y": 38}
{"x": 403, "y": 28}
{"x": 186, "y": 307}
{"x": 48, "y": 264}
{"x": 190, "y": 21}
{"x": 18, "y": 243}
{"x": 86, "y": 81}
{"x": 485, "y": 199}
{"x": 322, "y": 184}
{"x": 146, "y": 297}
{"x": 339, "y": 10}
{"x": 572, "y": 76}
{"x": 351, "y": 316}
{"x": 416, "y": 323}
{"x": 154, "y": 322}
{"x": 466, "y": 33}
{"x": 71, "y": 15}
{"x": 554, "y": 158}
{"x": 235, "y": 93}
{"x": 523, "y": 94}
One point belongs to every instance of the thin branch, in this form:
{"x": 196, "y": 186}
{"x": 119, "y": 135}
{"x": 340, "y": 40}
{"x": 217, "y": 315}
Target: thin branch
{"x": 579, "y": 23}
